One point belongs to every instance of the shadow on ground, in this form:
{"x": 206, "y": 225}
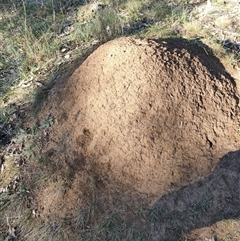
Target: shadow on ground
{"x": 200, "y": 204}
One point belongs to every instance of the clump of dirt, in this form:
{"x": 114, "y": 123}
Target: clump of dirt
{"x": 137, "y": 120}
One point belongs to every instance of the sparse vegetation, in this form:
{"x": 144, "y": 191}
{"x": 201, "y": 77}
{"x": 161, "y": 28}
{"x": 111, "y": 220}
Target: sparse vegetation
{"x": 38, "y": 38}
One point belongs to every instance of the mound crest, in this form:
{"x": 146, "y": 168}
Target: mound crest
{"x": 148, "y": 116}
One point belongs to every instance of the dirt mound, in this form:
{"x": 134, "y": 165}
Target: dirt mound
{"x": 139, "y": 116}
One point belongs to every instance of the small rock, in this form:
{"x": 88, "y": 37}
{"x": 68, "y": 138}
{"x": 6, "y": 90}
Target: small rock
{"x": 66, "y": 30}
{"x": 35, "y": 213}
{"x": 97, "y": 6}
{"x": 3, "y": 189}
{"x": 63, "y": 50}
{"x": 67, "y": 56}
{"x": 2, "y": 167}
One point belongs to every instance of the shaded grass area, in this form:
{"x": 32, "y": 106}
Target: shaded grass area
{"x": 170, "y": 218}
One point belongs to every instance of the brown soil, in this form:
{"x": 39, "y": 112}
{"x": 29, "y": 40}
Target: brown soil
{"x": 144, "y": 123}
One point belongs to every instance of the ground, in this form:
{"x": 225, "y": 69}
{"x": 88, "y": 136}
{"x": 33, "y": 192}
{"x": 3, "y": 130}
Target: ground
{"x": 151, "y": 125}
{"x": 137, "y": 139}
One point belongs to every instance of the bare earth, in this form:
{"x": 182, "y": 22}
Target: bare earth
{"x": 144, "y": 124}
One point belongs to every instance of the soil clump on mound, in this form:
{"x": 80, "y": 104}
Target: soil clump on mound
{"x": 136, "y": 121}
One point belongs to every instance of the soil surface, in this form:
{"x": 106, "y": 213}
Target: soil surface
{"x": 154, "y": 123}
